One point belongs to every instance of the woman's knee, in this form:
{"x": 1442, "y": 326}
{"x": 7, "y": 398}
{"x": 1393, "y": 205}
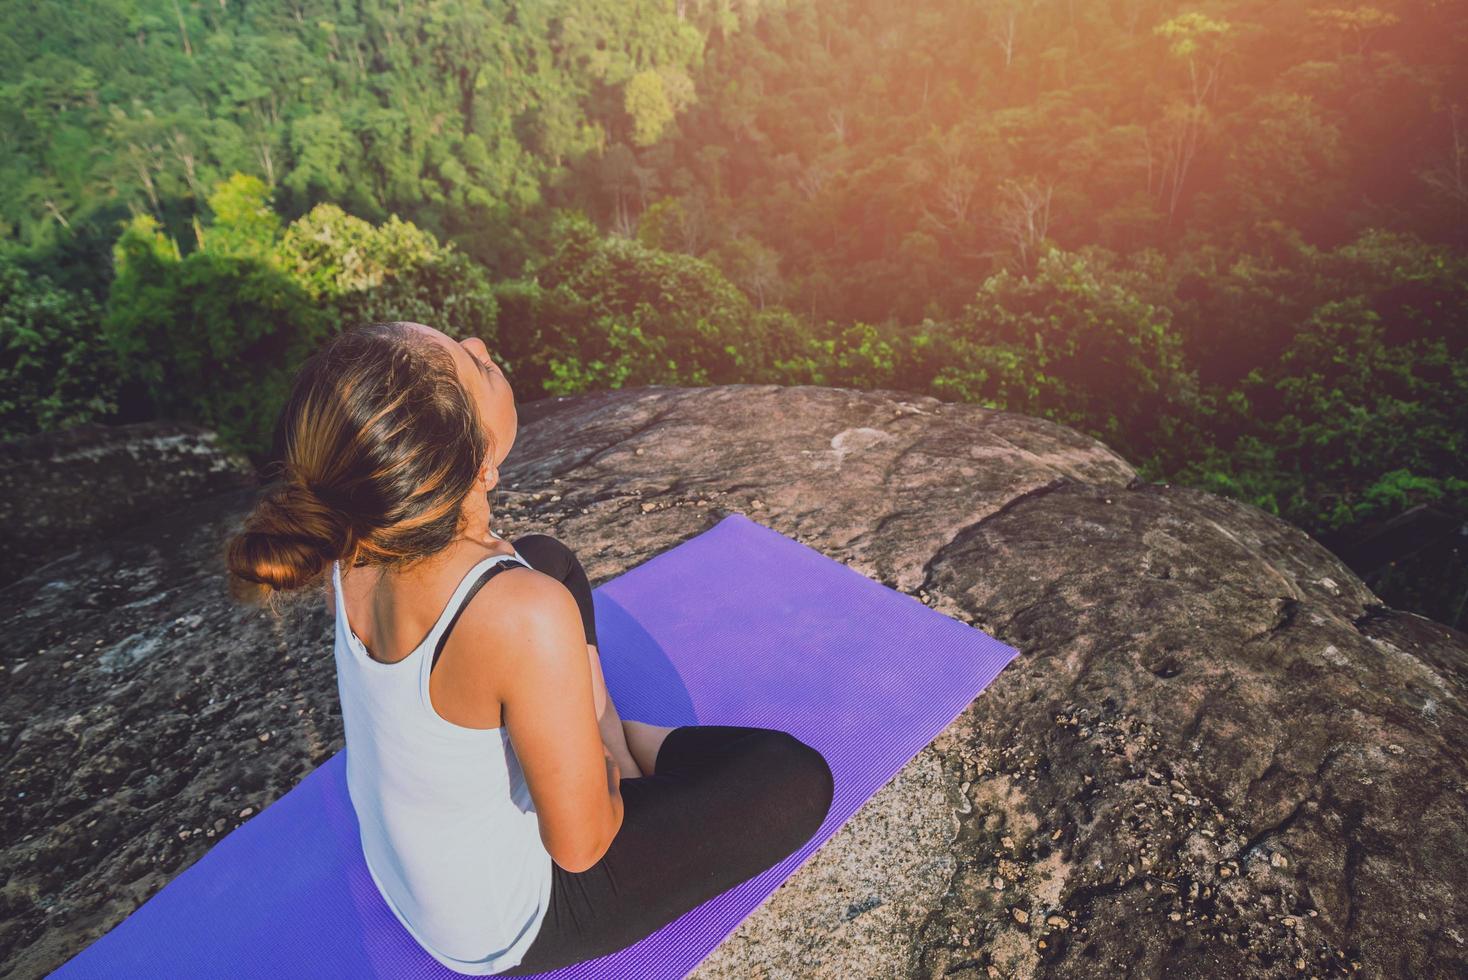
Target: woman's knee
{"x": 799, "y": 778}
{"x": 544, "y": 545}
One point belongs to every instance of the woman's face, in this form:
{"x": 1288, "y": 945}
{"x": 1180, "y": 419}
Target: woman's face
{"x": 483, "y": 378}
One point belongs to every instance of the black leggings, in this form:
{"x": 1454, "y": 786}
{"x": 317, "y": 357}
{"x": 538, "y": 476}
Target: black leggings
{"x": 724, "y": 802}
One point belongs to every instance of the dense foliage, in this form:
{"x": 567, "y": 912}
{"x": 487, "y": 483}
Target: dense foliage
{"x": 1227, "y": 240}
{"x": 215, "y": 336}
{"x": 52, "y": 374}
{"x": 458, "y": 113}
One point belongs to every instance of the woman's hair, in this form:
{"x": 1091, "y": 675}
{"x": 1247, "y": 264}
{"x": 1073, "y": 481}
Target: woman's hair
{"x": 377, "y": 447}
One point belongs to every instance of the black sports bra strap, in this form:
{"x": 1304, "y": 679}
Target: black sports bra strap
{"x": 488, "y": 574}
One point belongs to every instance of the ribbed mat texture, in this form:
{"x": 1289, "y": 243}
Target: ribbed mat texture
{"x": 739, "y": 625}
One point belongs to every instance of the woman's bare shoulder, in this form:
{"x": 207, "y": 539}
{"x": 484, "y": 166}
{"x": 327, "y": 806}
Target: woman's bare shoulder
{"x": 510, "y": 615}
{"x": 496, "y": 630}
{"x": 517, "y": 600}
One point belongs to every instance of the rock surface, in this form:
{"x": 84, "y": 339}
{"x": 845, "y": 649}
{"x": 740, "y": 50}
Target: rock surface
{"x": 1217, "y": 754}
{"x": 62, "y": 490}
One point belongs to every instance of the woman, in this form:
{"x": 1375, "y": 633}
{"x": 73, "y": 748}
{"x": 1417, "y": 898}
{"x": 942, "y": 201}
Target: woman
{"x": 511, "y": 820}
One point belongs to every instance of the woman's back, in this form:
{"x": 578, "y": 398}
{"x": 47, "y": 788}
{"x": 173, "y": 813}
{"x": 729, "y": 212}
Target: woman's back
{"x": 449, "y": 830}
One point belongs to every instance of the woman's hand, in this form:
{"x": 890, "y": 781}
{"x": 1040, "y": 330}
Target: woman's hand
{"x": 608, "y": 722}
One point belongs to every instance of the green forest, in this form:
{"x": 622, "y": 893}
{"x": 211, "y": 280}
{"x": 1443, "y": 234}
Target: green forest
{"x": 1227, "y": 238}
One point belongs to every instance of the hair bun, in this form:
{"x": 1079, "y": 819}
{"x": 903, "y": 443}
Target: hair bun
{"x": 290, "y": 538}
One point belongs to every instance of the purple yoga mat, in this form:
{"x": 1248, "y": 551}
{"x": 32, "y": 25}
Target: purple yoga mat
{"x": 739, "y": 625}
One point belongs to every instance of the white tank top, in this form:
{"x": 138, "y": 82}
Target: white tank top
{"x": 449, "y": 831}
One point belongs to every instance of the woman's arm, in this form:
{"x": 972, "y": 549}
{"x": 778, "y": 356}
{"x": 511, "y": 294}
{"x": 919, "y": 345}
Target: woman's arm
{"x": 550, "y": 555}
